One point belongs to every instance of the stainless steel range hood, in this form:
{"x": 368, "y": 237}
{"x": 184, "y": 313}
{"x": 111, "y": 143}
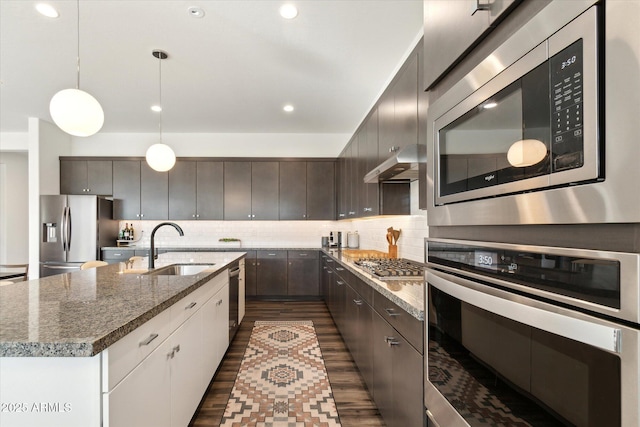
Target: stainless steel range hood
{"x": 403, "y": 165}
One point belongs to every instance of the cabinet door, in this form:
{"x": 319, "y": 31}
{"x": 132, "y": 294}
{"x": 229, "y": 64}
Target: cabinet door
{"x": 386, "y": 130}
{"x": 383, "y": 368}
{"x": 303, "y": 273}
{"x": 271, "y": 273}
{"x": 407, "y": 373}
{"x": 237, "y": 190}
{"x": 406, "y": 104}
{"x": 341, "y": 187}
{"x": 100, "y": 177}
{"x": 186, "y": 370}
{"x": 210, "y": 190}
{"x": 126, "y": 189}
{"x": 321, "y": 193}
{"x": 450, "y": 28}
{"x": 143, "y": 398}
{"x": 264, "y": 190}
{"x": 215, "y": 336}
{"x": 73, "y": 177}
{"x": 369, "y": 155}
{"x": 250, "y": 273}
{"x": 339, "y": 303}
{"x": 182, "y": 190}
{"x": 293, "y": 190}
{"x": 154, "y": 193}
{"x": 365, "y": 342}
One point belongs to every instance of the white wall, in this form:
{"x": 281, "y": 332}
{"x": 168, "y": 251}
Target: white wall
{"x": 46, "y": 144}
{"x": 14, "y": 208}
{"x": 213, "y": 145}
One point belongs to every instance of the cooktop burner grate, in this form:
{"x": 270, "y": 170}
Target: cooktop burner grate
{"x": 392, "y": 269}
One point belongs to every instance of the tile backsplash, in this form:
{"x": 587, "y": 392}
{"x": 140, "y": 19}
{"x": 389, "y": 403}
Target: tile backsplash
{"x": 288, "y": 234}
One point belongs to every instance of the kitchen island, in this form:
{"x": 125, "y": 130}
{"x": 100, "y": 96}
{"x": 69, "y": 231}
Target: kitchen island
{"x": 75, "y": 348}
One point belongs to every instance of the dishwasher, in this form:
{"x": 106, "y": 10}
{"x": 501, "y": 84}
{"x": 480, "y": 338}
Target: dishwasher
{"x": 234, "y": 276}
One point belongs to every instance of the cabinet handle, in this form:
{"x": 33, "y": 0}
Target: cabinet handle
{"x": 302, "y": 254}
{"x": 357, "y": 301}
{"x": 479, "y": 7}
{"x": 330, "y": 272}
{"x": 392, "y": 343}
{"x": 190, "y": 306}
{"x": 148, "y": 340}
{"x": 219, "y": 302}
{"x": 368, "y": 209}
{"x": 387, "y": 339}
{"x": 137, "y": 215}
{"x": 432, "y": 419}
{"x": 171, "y": 355}
{"x": 177, "y": 348}
{"x": 117, "y": 254}
{"x": 249, "y": 216}
{"x": 197, "y": 215}
{"x": 339, "y": 283}
{"x": 193, "y": 216}
{"x": 341, "y": 215}
{"x": 395, "y": 148}
{"x": 271, "y": 254}
{"x": 329, "y": 260}
{"x": 339, "y": 268}
{"x": 391, "y": 312}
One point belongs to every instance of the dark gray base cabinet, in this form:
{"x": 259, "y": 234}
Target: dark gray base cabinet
{"x": 302, "y": 273}
{"x": 271, "y": 273}
{"x": 391, "y": 366}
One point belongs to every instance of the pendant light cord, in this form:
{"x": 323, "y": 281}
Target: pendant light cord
{"x": 78, "y": 46}
{"x": 160, "y": 92}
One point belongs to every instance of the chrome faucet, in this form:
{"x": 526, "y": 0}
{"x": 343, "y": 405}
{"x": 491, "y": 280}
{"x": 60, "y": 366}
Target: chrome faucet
{"x": 152, "y": 252}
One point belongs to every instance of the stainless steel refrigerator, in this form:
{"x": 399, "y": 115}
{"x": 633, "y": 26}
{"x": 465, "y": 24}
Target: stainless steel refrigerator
{"x": 72, "y": 231}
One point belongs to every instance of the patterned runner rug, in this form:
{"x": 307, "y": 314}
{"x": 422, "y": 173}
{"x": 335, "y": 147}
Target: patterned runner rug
{"x": 282, "y": 380}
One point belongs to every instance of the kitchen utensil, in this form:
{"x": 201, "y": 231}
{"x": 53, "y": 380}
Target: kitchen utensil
{"x": 396, "y": 236}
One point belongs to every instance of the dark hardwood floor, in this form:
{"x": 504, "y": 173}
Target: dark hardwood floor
{"x": 353, "y": 401}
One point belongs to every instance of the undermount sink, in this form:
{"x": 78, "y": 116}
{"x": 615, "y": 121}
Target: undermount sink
{"x": 180, "y": 270}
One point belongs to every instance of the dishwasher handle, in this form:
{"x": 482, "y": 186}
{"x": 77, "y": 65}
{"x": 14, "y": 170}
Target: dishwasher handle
{"x": 235, "y": 272}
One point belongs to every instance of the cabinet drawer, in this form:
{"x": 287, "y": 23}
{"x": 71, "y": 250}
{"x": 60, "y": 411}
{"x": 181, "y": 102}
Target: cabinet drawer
{"x": 303, "y": 254}
{"x": 271, "y": 254}
{"x": 119, "y": 255}
{"x": 125, "y": 354}
{"x": 403, "y": 322}
{"x": 190, "y": 304}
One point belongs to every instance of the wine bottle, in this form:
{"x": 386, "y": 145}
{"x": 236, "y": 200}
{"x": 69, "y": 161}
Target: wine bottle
{"x": 126, "y": 231}
{"x": 131, "y": 233}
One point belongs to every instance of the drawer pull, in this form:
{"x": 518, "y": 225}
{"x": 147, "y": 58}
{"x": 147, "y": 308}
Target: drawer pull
{"x": 339, "y": 283}
{"x": 391, "y": 312}
{"x": 117, "y": 254}
{"x": 339, "y": 268}
{"x": 303, "y": 254}
{"x": 177, "y": 348}
{"x": 190, "y": 306}
{"x": 148, "y": 340}
{"x": 391, "y": 341}
{"x": 357, "y": 301}
{"x": 271, "y": 254}
{"x": 219, "y": 302}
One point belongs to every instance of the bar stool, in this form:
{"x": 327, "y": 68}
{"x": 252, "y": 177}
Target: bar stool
{"x": 93, "y": 264}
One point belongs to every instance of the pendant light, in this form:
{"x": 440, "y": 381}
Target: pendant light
{"x": 160, "y": 157}
{"x": 75, "y": 111}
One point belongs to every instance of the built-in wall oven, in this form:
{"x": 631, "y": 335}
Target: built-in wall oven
{"x": 522, "y": 138}
{"x": 531, "y": 336}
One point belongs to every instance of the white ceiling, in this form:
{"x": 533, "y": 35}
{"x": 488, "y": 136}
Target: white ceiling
{"x": 231, "y": 71}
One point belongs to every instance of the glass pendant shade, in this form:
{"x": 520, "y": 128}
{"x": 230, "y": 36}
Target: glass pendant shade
{"x": 160, "y": 157}
{"x": 526, "y": 152}
{"x": 76, "y": 112}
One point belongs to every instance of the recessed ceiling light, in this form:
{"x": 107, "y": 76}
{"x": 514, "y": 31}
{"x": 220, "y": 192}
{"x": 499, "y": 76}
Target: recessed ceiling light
{"x": 47, "y": 10}
{"x": 490, "y": 105}
{"x": 156, "y": 108}
{"x": 288, "y": 108}
{"x": 288, "y": 11}
{"x": 196, "y": 12}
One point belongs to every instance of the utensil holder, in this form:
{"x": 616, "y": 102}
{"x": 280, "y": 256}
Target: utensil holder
{"x": 393, "y": 251}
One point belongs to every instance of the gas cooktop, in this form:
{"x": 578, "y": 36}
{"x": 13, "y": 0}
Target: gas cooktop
{"x": 392, "y": 269}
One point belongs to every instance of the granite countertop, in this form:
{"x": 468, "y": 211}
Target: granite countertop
{"x": 221, "y": 248}
{"x": 407, "y": 294}
{"x": 80, "y": 314}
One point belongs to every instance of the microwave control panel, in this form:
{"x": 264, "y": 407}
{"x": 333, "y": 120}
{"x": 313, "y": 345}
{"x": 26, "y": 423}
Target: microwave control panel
{"x": 567, "y": 108}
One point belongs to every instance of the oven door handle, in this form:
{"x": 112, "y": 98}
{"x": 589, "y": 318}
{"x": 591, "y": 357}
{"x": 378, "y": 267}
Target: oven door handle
{"x": 557, "y": 320}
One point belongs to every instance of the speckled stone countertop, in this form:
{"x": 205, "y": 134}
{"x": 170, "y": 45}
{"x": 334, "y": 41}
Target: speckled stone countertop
{"x": 409, "y": 294}
{"x": 207, "y": 248}
{"x": 80, "y": 314}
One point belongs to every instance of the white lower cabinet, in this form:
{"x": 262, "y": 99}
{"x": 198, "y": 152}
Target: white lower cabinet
{"x": 215, "y": 333}
{"x": 165, "y": 388}
{"x": 143, "y": 398}
{"x": 186, "y": 370}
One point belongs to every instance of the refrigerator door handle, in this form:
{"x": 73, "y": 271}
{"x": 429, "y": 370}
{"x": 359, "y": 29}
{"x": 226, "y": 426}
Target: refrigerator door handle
{"x": 63, "y": 232}
{"x": 68, "y": 228}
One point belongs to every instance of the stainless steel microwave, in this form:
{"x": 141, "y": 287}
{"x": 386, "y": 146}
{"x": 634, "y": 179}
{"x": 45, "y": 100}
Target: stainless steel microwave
{"x": 521, "y": 139}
